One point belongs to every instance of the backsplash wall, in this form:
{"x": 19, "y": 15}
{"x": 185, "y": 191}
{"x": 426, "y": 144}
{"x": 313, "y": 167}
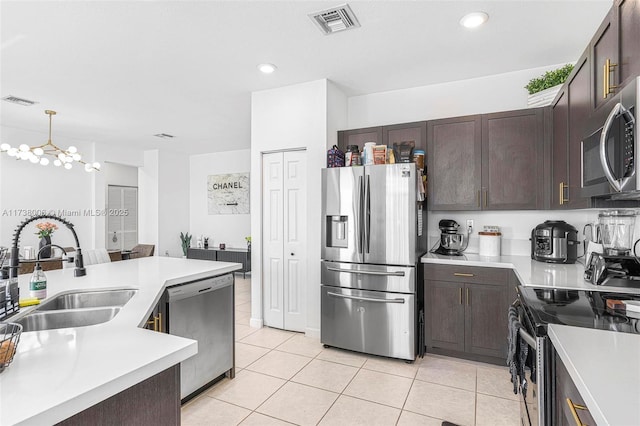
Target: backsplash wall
{"x": 515, "y": 226}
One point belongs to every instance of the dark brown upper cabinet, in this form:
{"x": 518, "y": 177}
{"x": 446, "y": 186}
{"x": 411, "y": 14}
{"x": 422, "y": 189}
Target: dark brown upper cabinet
{"x": 385, "y": 135}
{"x": 359, "y": 137}
{"x": 513, "y": 145}
{"x": 628, "y": 17}
{"x": 615, "y": 51}
{"x": 489, "y": 162}
{"x": 454, "y": 163}
{"x": 604, "y": 60}
{"x": 407, "y": 132}
{"x": 571, "y": 111}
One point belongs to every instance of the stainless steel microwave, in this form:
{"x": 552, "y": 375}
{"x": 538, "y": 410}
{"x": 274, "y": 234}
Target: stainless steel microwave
{"x": 608, "y": 158}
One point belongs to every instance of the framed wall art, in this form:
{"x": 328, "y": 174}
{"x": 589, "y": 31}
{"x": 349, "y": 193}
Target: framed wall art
{"x": 228, "y": 193}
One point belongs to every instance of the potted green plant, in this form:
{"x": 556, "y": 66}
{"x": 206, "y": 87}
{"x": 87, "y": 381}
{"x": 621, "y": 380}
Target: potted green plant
{"x": 542, "y": 90}
{"x": 248, "y": 239}
{"x": 185, "y": 239}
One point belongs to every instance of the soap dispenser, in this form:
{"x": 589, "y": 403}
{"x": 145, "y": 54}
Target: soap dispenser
{"x": 38, "y": 283}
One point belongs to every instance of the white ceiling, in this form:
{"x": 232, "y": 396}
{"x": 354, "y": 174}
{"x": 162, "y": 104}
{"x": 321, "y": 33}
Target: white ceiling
{"x": 119, "y": 72}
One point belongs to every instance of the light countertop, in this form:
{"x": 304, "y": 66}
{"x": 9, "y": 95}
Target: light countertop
{"x": 605, "y": 367}
{"x": 530, "y": 273}
{"x": 58, "y": 373}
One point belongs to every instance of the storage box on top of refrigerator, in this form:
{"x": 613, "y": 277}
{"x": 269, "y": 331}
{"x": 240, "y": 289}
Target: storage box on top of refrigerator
{"x": 373, "y": 234}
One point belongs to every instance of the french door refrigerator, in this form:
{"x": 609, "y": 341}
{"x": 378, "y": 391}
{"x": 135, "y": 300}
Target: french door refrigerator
{"x": 373, "y": 234}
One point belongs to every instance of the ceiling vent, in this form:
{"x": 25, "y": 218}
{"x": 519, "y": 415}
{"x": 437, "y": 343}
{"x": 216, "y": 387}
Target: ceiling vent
{"x": 164, "y": 136}
{"x": 336, "y": 19}
{"x": 19, "y": 101}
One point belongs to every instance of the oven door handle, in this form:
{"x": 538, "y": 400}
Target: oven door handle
{"x": 617, "y": 183}
{"x": 527, "y": 338}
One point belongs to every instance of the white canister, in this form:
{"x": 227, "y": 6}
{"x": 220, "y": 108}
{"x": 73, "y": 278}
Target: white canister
{"x": 489, "y": 243}
{"x": 368, "y": 153}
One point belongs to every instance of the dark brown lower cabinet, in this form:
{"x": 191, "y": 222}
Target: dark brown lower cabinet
{"x": 154, "y": 401}
{"x": 466, "y": 316}
{"x": 568, "y": 402}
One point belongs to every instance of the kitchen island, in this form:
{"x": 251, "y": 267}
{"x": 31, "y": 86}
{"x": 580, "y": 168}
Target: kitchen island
{"x": 59, "y": 373}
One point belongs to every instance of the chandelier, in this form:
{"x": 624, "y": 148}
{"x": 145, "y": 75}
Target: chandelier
{"x": 39, "y": 154}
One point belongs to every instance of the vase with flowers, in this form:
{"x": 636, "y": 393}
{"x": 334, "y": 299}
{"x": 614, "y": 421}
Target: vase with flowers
{"x": 45, "y": 229}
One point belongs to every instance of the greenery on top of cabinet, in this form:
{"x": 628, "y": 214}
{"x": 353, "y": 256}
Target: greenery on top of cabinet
{"x": 549, "y": 79}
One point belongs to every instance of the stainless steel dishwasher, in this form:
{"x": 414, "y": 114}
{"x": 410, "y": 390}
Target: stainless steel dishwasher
{"x": 204, "y": 311}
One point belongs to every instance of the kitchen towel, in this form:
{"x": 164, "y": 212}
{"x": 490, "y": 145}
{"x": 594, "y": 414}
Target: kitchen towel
{"x": 518, "y": 352}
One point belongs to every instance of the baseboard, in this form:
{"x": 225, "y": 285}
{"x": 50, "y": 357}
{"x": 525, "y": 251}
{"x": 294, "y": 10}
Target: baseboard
{"x": 256, "y": 323}
{"x": 312, "y": 332}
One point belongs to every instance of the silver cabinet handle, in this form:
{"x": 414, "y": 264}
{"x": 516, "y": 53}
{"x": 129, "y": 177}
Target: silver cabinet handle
{"x": 366, "y": 299}
{"x": 617, "y": 183}
{"x": 355, "y": 271}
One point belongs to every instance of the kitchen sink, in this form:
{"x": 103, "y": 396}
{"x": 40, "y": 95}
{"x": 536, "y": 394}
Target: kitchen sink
{"x": 65, "y": 318}
{"x": 87, "y": 299}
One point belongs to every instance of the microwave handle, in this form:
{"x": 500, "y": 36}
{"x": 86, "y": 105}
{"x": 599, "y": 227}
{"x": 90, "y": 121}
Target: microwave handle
{"x": 617, "y": 183}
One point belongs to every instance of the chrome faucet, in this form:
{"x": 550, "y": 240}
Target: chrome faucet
{"x": 79, "y": 270}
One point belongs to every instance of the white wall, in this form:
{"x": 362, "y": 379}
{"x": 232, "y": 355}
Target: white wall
{"x": 27, "y": 189}
{"x": 74, "y": 193}
{"x": 515, "y": 226}
{"x": 230, "y": 229}
{"x": 293, "y": 117}
{"x": 163, "y": 183}
{"x": 502, "y": 92}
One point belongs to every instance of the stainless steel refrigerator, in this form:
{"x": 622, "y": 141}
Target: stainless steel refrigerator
{"x": 373, "y": 234}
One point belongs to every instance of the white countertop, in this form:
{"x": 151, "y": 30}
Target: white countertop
{"x": 605, "y": 367}
{"x": 531, "y": 273}
{"x": 58, "y": 373}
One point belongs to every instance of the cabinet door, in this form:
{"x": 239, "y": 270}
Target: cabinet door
{"x": 579, "y": 111}
{"x": 559, "y": 148}
{"x": 628, "y": 17}
{"x": 444, "y": 310}
{"x": 486, "y": 319}
{"x": 416, "y": 132}
{"x": 359, "y": 137}
{"x": 513, "y": 160}
{"x": 454, "y": 161}
{"x": 567, "y": 393}
{"x": 603, "y": 48}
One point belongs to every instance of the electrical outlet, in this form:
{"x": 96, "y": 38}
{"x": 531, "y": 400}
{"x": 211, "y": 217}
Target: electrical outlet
{"x": 470, "y": 223}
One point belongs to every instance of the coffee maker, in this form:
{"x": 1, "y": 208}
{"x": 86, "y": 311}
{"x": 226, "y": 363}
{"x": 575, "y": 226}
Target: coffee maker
{"x": 451, "y": 242}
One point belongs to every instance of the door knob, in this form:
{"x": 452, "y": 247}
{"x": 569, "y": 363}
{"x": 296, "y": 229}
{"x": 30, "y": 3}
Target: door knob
{"x": 292, "y": 254}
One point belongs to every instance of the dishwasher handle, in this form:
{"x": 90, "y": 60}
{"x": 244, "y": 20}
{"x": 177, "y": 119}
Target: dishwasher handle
{"x": 197, "y": 288}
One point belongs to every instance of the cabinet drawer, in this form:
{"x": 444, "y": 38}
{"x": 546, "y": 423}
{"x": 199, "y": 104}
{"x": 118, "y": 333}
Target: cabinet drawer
{"x": 467, "y": 274}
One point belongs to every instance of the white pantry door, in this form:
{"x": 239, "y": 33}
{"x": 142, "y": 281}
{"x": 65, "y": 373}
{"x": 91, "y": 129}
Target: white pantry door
{"x": 284, "y": 236}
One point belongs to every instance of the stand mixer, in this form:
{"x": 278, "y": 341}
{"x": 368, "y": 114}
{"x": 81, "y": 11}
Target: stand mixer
{"x": 451, "y": 242}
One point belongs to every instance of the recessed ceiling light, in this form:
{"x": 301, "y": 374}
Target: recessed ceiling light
{"x": 474, "y": 19}
{"x": 267, "y": 68}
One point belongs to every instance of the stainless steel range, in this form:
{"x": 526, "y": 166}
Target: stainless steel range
{"x": 373, "y": 234}
{"x": 539, "y": 307}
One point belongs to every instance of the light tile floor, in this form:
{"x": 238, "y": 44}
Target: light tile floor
{"x": 285, "y": 378}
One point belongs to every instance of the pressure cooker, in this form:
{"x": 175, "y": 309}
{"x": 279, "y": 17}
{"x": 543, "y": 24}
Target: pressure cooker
{"x": 554, "y": 241}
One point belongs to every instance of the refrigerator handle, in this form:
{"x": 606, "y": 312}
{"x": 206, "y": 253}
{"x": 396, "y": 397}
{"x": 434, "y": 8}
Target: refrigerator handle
{"x": 367, "y": 215}
{"x": 359, "y": 219}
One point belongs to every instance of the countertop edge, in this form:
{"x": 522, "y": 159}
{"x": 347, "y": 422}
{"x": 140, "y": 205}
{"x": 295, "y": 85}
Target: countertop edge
{"x": 592, "y": 404}
{"x": 109, "y": 389}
